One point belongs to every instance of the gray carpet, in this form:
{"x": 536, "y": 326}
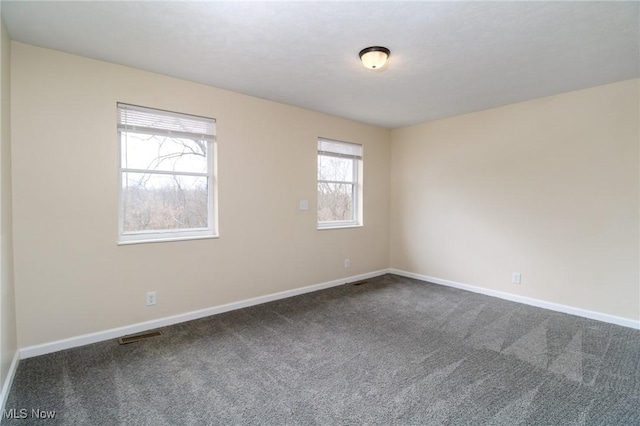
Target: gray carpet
{"x": 394, "y": 351}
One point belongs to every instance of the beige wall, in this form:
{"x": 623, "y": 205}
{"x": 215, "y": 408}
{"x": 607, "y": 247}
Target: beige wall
{"x": 548, "y": 188}
{"x": 8, "y": 342}
{"x": 72, "y": 278}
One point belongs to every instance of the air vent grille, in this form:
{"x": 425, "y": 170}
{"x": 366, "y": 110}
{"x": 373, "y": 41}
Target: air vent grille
{"x": 138, "y": 337}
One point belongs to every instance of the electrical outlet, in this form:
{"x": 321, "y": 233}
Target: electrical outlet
{"x": 347, "y": 264}
{"x": 151, "y": 298}
{"x": 516, "y": 277}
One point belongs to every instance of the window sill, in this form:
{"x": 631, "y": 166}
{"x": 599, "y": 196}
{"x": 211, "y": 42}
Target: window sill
{"x": 168, "y": 239}
{"x": 323, "y": 228}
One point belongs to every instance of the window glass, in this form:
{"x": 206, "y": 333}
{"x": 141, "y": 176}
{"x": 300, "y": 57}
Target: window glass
{"x": 339, "y": 184}
{"x": 166, "y": 175}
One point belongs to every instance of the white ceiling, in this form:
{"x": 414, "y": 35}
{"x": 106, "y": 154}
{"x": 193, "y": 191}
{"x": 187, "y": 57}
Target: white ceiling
{"x": 447, "y": 58}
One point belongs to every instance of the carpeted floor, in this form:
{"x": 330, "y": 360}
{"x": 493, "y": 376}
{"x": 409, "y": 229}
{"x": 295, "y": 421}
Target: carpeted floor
{"x": 394, "y": 351}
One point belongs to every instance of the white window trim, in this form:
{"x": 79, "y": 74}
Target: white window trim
{"x": 322, "y": 226}
{"x": 153, "y": 236}
{"x": 356, "y": 183}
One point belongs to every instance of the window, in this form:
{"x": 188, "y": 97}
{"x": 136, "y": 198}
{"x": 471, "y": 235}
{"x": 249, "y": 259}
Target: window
{"x": 166, "y": 175}
{"x": 339, "y": 184}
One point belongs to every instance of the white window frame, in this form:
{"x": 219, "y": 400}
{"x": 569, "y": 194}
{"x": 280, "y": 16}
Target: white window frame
{"x": 148, "y": 236}
{"x": 356, "y": 182}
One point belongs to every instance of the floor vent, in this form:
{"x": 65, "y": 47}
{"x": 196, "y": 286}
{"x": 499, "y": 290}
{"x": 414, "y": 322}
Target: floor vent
{"x": 360, "y": 282}
{"x": 138, "y": 337}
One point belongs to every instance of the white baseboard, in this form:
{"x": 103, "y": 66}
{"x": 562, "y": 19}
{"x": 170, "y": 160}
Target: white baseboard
{"x": 8, "y": 381}
{"x": 113, "y": 333}
{"x": 612, "y": 319}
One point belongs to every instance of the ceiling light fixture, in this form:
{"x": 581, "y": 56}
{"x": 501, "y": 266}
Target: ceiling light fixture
{"x": 374, "y": 57}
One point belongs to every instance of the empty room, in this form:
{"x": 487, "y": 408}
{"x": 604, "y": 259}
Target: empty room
{"x": 318, "y": 213}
